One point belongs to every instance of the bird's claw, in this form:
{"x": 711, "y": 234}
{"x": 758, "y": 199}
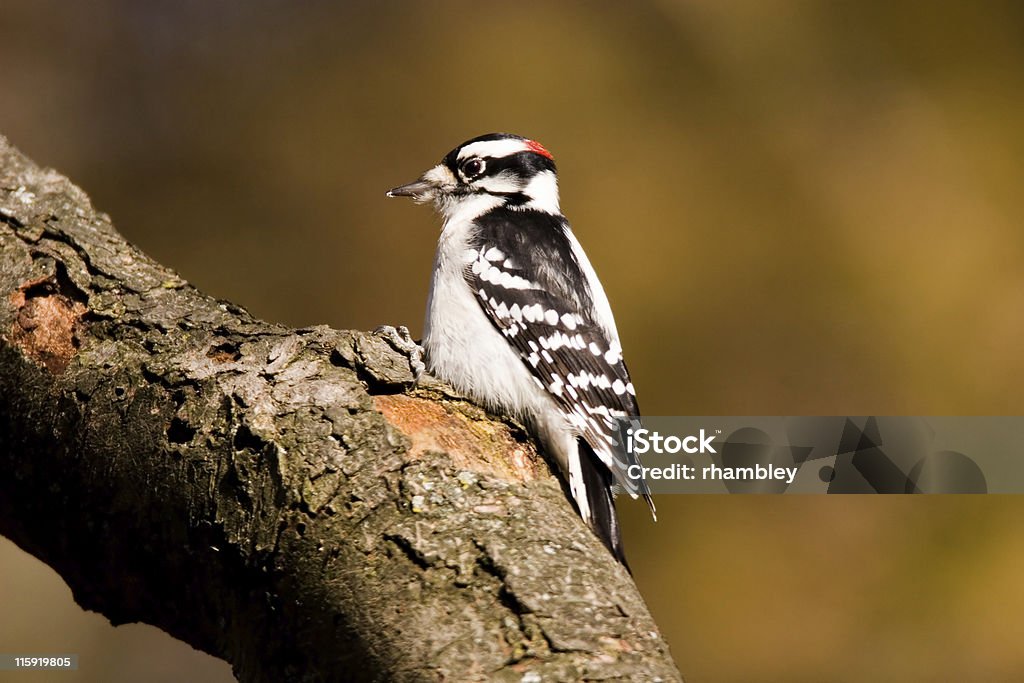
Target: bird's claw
{"x": 402, "y": 341}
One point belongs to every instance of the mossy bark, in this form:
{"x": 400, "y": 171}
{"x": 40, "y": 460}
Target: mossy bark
{"x": 284, "y": 499}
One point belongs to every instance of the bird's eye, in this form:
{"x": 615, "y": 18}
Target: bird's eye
{"x": 473, "y": 168}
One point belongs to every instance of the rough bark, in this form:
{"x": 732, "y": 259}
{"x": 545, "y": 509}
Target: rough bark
{"x": 284, "y": 499}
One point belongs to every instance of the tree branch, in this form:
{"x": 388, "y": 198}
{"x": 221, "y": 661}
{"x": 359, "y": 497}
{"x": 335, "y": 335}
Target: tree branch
{"x": 283, "y": 499}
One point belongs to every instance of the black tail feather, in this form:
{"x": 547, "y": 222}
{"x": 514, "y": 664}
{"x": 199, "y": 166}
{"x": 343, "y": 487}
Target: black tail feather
{"x": 598, "y": 480}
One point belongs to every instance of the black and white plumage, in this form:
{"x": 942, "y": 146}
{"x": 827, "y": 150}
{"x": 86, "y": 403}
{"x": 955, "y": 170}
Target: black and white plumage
{"x": 517, "y": 319}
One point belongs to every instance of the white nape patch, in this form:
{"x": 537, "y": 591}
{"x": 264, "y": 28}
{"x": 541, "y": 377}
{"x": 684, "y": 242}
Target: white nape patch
{"x": 493, "y": 148}
{"x": 543, "y": 193}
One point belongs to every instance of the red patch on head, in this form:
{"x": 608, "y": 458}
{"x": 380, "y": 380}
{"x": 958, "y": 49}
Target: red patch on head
{"x": 539, "y": 149}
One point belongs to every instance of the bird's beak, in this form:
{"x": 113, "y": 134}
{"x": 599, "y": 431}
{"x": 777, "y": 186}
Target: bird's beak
{"x": 418, "y": 189}
{"x": 434, "y": 182}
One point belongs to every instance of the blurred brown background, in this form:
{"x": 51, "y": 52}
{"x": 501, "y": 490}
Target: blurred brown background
{"x": 796, "y": 208}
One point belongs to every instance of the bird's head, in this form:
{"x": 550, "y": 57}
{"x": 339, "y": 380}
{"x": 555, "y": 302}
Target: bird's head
{"x": 492, "y": 170}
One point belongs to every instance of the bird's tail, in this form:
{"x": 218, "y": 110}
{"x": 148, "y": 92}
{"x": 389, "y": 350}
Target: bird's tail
{"x": 597, "y": 485}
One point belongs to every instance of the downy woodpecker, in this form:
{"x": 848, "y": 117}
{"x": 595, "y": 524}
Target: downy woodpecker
{"x": 518, "y": 321}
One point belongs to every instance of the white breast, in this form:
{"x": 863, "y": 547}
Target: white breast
{"x": 464, "y": 349}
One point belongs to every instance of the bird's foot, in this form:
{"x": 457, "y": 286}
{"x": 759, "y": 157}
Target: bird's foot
{"x": 402, "y": 341}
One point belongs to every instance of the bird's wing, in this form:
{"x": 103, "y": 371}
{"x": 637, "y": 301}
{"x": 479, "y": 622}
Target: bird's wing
{"x": 569, "y": 355}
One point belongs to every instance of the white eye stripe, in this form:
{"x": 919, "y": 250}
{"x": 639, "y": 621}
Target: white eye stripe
{"x": 493, "y": 148}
